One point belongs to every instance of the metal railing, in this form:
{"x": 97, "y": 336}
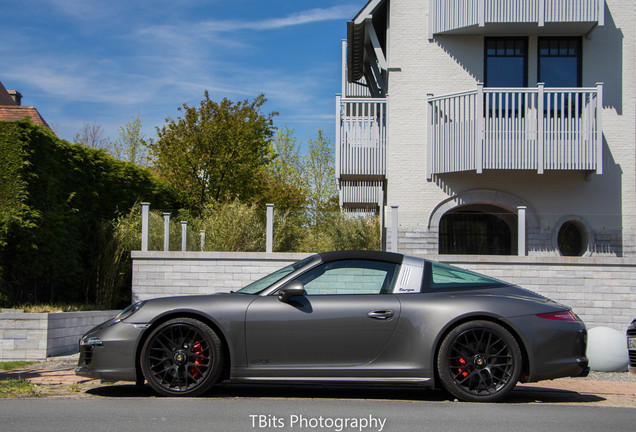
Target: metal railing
{"x": 516, "y": 129}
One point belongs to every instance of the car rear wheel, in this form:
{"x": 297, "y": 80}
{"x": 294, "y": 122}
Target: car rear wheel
{"x": 182, "y": 357}
{"x": 479, "y": 361}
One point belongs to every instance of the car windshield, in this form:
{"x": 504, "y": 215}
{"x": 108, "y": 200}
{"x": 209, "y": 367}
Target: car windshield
{"x": 272, "y": 278}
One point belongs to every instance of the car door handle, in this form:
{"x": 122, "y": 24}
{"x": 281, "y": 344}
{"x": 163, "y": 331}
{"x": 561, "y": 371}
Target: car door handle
{"x": 381, "y": 314}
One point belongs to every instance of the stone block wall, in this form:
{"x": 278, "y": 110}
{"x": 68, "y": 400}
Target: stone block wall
{"x": 165, "y": 274}
{"x": 601, "y": 290}
{"x": 36, "y": 336}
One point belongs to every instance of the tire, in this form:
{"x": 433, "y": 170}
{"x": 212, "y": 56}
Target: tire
{"x": 479, "y": 361}
{"x": 182, "y": 357}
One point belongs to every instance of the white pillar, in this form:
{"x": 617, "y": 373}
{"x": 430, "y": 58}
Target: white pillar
{"x": 202, "y": 234}
{"x": 521, "y": 241}
{"x": 184, "y": 235}
{"x": 166, "y": 232}
{"x": 269, "y": 237}
{"x": 394, "y": 228}
{"x": 145, "y": 215}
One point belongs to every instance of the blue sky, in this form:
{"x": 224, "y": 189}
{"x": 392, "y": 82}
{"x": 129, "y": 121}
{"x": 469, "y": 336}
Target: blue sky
{"x": 102, "y": 61}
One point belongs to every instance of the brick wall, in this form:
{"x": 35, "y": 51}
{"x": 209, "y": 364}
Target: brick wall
{"x": 601, "y": 290}
{"x": 164, "y": 274}
{"x": 36, "y": 336}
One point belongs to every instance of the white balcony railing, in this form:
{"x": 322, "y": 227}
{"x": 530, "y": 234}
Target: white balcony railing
{"x": 516, "y": 129}
{"x": 361, "y": 138}
{"x": 450, "y": 15}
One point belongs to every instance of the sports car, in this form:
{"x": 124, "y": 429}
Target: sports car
{"x": 345, "y": 317}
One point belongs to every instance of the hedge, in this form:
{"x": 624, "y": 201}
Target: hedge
{"x": 57, "y": 201}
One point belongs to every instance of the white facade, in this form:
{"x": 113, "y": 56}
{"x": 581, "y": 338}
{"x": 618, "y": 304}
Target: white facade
{"x": 467, "y": 163}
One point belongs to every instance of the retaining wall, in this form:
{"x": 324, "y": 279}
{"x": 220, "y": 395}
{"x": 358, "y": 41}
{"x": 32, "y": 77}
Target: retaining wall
{"x": 36, "y": 336}
{"x": 601, "y": 290}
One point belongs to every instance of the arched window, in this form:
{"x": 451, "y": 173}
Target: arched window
{"x": 478, "y": 230}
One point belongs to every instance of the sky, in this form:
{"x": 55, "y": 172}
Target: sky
{"x": 104, "y": 61}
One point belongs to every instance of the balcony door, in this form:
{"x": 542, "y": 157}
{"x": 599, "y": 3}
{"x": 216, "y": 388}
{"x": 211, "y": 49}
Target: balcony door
{"x": 506, "y": 62}
{"x": 559, "y": 61}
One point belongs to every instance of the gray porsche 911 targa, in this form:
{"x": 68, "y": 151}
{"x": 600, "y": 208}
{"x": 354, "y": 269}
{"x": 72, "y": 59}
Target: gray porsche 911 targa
{"x": 345, "y": 317}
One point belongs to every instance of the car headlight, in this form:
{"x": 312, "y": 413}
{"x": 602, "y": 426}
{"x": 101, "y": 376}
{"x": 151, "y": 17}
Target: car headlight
{"x": 126, "y": 313}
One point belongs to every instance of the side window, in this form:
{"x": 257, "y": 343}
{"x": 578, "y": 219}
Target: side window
{"x": 448, "y": 277}
{"x": 349, "y": 277}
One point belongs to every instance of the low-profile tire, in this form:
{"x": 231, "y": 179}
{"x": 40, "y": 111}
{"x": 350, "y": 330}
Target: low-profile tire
{"x": 182, "y": 357}
{"x": 479, "y": 361}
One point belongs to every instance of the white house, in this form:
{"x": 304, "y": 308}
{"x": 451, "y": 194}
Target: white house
{"x": 494, "y": 126}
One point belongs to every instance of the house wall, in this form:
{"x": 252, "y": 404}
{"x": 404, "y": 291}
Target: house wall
{"x": 601, "y": 290}
{"x": 605, "y": 204}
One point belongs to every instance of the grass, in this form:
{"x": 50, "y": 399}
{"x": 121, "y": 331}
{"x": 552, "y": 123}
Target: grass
{"x": 55, "y": 307}
{"x": 20, "y": 387}
{"x": 15, "y": 364}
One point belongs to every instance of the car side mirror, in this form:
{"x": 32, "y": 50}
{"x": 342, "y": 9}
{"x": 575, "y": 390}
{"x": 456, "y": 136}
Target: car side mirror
{"x": 292, "y": 290}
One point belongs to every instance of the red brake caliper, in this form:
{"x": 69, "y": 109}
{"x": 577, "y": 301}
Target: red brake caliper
{"x": 197, "y": 349}
{"x": 462, "y": 363}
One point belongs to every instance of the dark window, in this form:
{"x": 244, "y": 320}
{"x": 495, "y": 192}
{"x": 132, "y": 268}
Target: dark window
{"x": 447, "y": 277}
{"x": 559, "y": 61}
{"x": 474, "y": 233}
{"x": 571, "y": 239}
{"x": 506, "y": 61}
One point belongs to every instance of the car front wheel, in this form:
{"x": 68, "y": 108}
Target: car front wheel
{"x": 479, "y": 361}
{"x": 182, "y": 357}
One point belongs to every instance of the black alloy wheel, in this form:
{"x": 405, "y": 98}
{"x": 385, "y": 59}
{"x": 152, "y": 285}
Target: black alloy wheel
{"x": 182, "y": 357}
{"x": 479, "y": 361}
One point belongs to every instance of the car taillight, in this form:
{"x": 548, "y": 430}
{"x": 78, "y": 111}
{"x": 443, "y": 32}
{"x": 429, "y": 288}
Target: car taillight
{"x": 566, "y": 315}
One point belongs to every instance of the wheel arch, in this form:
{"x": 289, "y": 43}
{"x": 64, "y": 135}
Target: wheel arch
{"x": 525, "y": 359}
{"x": 225, "y": 346}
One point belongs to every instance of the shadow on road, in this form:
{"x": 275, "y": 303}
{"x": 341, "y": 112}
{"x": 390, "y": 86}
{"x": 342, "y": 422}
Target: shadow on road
{"x": 520, "y": 395}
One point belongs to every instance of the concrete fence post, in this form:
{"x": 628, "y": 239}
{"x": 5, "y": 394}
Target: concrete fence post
{"x": 202, "y": 234}
{"x": 166, "y": 232}
{"x": 145, "y": 215}
{"x": 269, "y": 237}
{"x": 184, "y": 236}
{"x": 394, "y": 228}
{"x": 521, "y": 231}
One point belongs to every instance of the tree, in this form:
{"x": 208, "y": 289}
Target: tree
{"x": 216, "y": 152}
{"x": 284, "y": 184}
{"x": 322, "y": 190}
{"x": 92, "y": 135}
{"x": 131, "y": 145}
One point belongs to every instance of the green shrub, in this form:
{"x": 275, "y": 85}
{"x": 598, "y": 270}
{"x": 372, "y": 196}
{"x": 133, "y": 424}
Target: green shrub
{"x": 54, "y": 247}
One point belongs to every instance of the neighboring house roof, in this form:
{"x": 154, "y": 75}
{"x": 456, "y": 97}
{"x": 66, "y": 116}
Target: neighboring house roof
{"x": 10, "y": 110}
{"x": 11, "y": 113}
{"x": 5, "y": 97}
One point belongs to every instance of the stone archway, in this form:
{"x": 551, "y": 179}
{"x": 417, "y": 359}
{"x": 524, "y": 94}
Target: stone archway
{"x": 481, "y": 222}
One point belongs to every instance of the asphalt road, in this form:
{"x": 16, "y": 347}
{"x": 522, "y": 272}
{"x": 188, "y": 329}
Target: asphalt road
{"x": 255, "y": 409}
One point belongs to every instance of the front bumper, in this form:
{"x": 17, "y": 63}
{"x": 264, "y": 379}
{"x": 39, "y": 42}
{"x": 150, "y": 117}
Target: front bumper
{"x": 109, "y": 353}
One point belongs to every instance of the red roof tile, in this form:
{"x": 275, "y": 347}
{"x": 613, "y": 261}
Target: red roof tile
{"x": 11, "y": 113}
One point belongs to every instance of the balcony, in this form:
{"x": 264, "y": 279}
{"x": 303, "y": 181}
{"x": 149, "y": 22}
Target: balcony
{"x": 361, "y": 141}
{"x": 361, "y": 134}
{"x": 514, "y": 16}
{"x": 516, "y": 129}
